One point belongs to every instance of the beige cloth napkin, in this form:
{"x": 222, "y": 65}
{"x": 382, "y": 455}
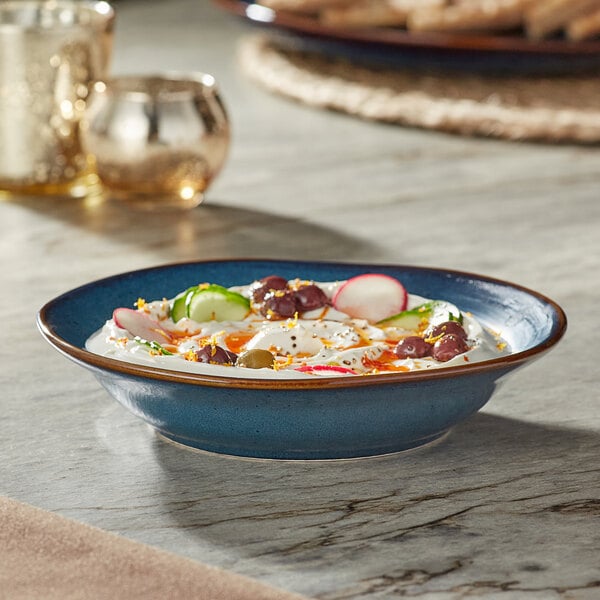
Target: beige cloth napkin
{"x": 45, "y": 556}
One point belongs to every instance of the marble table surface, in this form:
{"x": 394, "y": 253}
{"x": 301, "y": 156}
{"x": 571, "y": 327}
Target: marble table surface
{"x": 508, "y": 506}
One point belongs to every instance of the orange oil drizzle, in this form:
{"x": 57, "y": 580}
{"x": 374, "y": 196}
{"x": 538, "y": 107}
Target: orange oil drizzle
{"x": 237, "y": 340}
{"x": 182, "y": 335}
{"x": 384, "y": 363}
{"x": 361, "y": 344}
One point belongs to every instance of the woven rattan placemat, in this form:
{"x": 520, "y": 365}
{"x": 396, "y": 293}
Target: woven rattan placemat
{"x": 549, "y": 109}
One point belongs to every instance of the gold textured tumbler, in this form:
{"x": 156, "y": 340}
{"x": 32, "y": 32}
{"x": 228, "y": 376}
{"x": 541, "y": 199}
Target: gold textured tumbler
{"x": 50, "y": 53}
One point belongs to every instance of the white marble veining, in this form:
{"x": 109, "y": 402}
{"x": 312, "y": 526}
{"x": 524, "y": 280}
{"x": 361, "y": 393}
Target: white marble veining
{"x": 507, "y": 507}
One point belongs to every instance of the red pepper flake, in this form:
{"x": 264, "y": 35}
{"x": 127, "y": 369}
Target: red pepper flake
{"x": 385, "y": 363}
{"x": 325, "y": 368}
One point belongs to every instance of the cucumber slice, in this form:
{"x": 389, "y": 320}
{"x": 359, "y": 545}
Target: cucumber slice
{"x": 420, "y": 317}
{"x": 412, "y": 319}
{"x": 216, "y": 303}
{"x": 179, "y": 304}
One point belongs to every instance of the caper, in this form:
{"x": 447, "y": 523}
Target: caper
{"x": 256, "y": 359}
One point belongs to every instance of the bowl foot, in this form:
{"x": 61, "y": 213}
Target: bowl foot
{"x": 306, "y": 455}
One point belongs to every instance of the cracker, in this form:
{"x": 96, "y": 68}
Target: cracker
{"x": 363, "y": 13}
{"x": 585, "y": 27}
{"x": 302, "y": 6}
{"x": 471, "y": 16}
{"x": 549, "y": 16}
{"x": 374, "y": 13}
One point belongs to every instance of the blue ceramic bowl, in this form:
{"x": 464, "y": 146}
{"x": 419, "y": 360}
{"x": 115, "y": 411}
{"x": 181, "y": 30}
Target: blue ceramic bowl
{"x": 320, "y": 418}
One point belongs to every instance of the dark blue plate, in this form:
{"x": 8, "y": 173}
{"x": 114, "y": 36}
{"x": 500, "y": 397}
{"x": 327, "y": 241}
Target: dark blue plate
{"x": 317, "y": 418}
{"x": 398, "y": 48}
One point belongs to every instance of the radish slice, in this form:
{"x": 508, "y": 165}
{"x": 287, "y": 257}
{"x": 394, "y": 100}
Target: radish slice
{"x": 140, "y": 325}
{"x": 371, "y": 296}
{"x": 325, "y": 368}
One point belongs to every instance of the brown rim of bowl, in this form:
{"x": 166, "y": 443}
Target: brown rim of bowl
{"x": 508, "y": 362}
{"x": 402, "y": 38}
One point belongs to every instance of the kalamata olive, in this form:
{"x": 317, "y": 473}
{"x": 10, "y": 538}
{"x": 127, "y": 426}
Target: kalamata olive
{"x": 215, "y": 355}
{"x": 310, "y": 297}
{"x": 452, "y": 327}
{"x": 256, "y": 359}
{"x": 413, "y": 347}
{"x": 279, "y": 304}
{"x": 267, "y": 284}
{"x": 449, "y": 346}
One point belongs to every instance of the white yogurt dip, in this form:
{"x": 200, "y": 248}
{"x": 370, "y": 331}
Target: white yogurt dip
{"x": 323, "y": 342}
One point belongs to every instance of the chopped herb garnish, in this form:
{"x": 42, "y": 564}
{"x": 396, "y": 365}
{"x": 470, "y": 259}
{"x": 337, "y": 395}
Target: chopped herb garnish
{"x": 153, "y": 346}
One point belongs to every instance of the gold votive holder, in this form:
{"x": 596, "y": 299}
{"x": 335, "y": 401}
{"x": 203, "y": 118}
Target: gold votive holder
{"x": 157, "y": 140}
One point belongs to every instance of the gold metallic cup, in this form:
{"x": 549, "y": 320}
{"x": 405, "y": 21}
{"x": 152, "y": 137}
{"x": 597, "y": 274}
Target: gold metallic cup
{"x": 157, "y": 141}
{"x": 50, "y": 53}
